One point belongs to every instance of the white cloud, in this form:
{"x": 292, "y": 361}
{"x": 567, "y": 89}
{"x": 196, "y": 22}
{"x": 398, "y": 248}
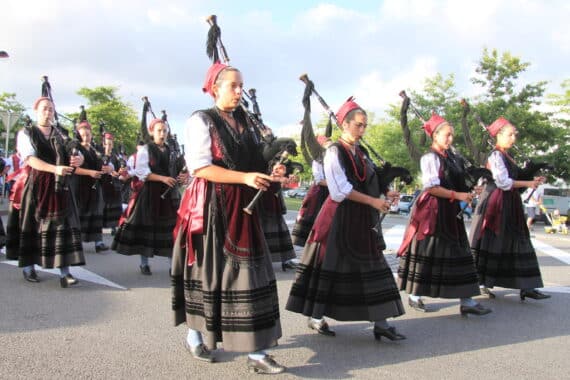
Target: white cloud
{"x": 376, "y": 92}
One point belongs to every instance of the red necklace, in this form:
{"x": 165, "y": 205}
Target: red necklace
{"x": 442, "y": 153}
{"x": 359, "y": 177}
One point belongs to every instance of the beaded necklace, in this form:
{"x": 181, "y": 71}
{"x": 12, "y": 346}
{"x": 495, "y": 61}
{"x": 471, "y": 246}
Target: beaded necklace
{"x": 359, "y": 177}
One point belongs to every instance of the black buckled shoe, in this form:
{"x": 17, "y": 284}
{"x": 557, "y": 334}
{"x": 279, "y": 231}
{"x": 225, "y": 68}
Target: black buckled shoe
{"x": 321, "y": 328}
{"x": 418, "y": 305}
{"x": 486, "y": 292}
{"x": 101, "y": 248}
{"x": 200, "y": 352}
{"x": 266, "y": 365}
{"x": 535, "y": 294}
{"x": 67, "y": 281}
{"x": 477, "y": 309}
{"x": 289, "y": 264}
{"x": 389, "y": 333}
{"x": 145, "y": 269}
{"x": 32, "y": 276}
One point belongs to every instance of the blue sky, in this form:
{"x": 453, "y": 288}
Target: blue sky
{"x": 370, "y": 49}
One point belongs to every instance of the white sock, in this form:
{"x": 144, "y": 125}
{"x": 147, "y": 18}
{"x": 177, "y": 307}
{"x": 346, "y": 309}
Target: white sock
{"x": 468, "y": 302}
{"x": 257, "y": 355}
{"x": 414, "y": 298}
{"x": 318, "y": 321}
{"x": 29, "y": 269}
{"x": 194, "y": 338}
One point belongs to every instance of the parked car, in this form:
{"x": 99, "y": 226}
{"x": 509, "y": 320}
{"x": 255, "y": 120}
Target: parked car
{"x": 405, "y": 204}
{"x": 296, "y": 193}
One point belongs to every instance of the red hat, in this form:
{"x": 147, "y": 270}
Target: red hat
{"x": 155, "y": 122}
{"x": 494, "y": 128}
{"x": 38, "y": 100}
{"x": 109, "y": 136}
{"x": 431, "y": 125}
{"x": 84, "y": 124}
{"x": 348, "y": 106}
{"x": 211, "y": 76}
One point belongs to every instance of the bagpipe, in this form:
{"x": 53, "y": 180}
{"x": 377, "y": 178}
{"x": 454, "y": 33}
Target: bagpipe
{"x": 60, "y": 140}
{"x": 273, "y": 149}
{"x": 472, "y": 173}
{"x": 385, "y": 171}
{"x": 530, "y": 168}
{"x": 176, "y": 161}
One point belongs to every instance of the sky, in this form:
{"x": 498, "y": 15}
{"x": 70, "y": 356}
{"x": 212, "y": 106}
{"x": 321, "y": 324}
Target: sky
{"x": 368, "y": 49}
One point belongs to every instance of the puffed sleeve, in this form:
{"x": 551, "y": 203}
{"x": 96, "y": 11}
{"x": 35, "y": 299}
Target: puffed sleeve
{"x": 130, "y": 165}
{"x": 500, "y": 172}
{"x": 429, "y": 165}
{"x": 142, "y": 170}
{"x": 338, "y": 184}
{"x": 198, "y": 143}
{"x": 318, "y": 171}
{"x": 25, "y": 147}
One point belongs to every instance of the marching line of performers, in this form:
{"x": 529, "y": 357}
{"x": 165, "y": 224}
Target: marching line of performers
{"x": 223, "y": 282}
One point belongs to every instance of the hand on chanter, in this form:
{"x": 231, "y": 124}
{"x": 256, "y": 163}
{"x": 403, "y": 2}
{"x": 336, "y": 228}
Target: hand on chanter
{"x": 466, "y": 197}
{"x": 183, "y": 178}
{"x": 63, "y": 170}
{"x": 381, "y": 205}
{"x": 256, "y": 180}
{"x": 95, "y": 174}
{"x": 169, "y": 181}
{"x": 393, "y": 194}
{"x": 76, "y": 161}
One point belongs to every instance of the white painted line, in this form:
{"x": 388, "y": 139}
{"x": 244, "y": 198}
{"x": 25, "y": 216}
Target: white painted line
{"x": 77, "y": 272}
{"x": 394, "y": 236}
{"x": 551, "y": 251}
{"x": 556, "y": 289}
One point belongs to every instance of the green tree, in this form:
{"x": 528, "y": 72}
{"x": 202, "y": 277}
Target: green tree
{"x": 119, "y": 118}
{"x": 8, "y": 103}
{"x": 560, "y": 119}
{"x": 503, "y": 94}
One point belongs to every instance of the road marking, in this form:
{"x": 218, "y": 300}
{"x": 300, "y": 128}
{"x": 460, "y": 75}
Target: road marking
{"x": 393, "y": 236}
{"x": 551, "y": 251}
{"x": 77, "y": 272}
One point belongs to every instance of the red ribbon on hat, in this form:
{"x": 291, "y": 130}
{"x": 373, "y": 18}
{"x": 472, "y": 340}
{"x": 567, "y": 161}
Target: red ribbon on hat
{"x": 431, "y": 125}
{"x": 496, "y": 126}
{"x": 348, "y": 106}
{"x": 211, "y": 77}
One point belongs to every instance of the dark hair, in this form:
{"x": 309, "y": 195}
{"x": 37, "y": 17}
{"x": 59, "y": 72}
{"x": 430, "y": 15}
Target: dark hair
{"x": 222, "y": 74}
{"x": 350, "y": 116}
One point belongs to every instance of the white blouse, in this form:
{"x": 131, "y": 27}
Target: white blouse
{"x": 142, "y": 170}
{"x": 198, "y": 142}
{"x": 500, "y": 172}
{"x": 131, "y": 165}
{"x": 430, "y": 165}
{"x": 24, "y": 146}
{"x": 337, "y": 182}
{"x": 318, "y": 172}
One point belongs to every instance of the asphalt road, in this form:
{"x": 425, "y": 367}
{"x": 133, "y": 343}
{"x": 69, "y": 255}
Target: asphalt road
{"x": 97, "y": 331}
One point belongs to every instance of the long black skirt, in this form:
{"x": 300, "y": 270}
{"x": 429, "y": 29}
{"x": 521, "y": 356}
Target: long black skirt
{"x": 345, "y": 282}
{"x": 148, "y": 225}
{"x": 45, "y": 241}
{"x": 439, "y": 265}
{"x": 505, "y": 257}
{"x": 229, "y": 300}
